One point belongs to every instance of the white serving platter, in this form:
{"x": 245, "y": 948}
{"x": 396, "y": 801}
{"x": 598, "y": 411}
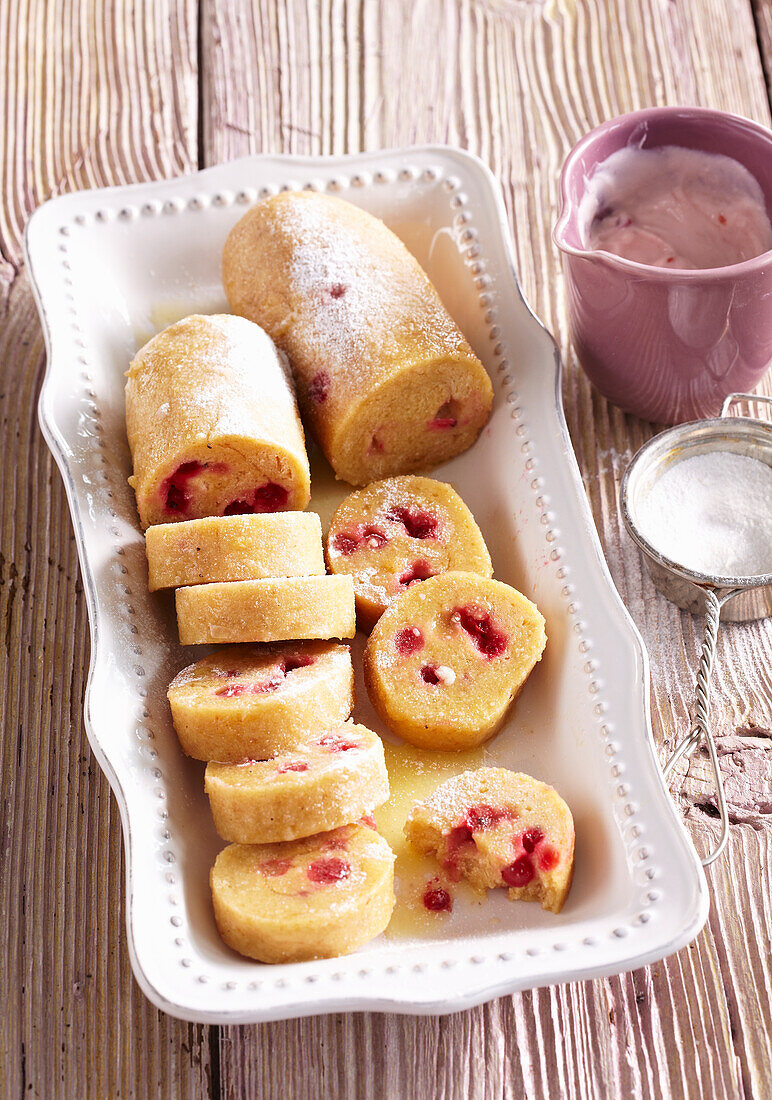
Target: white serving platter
{"x": 111, "y": 267}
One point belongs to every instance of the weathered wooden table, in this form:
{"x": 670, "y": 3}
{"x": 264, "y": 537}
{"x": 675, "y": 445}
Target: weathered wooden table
{"x": 96, "y": 92}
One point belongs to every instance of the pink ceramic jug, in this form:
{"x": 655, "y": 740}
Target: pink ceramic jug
{"x": 667, "y": 345}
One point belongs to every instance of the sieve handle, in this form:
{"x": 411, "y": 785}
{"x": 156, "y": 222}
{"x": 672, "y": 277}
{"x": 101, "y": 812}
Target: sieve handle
{"x": 701, "y": 728}
{"x": 733, "y": 398}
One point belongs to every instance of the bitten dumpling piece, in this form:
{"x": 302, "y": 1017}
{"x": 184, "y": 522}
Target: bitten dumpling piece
{"x": 315, "y": 898}
{"x": 213, "y": 424}
{"x": 495, "y": 827}
{"x": 234, "y": 548}
{"x": 385, "y": 378}
{"x": 448, "y": 657}
{"x": 266, "y": 610}
{"x": 338, "y": 776}
{"x": 256, "y": 702}
{"x": 397, "y": 532}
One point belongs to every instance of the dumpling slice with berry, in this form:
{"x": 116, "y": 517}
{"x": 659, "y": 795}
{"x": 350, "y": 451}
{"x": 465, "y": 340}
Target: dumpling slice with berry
{"x": 337, "y": 776}
{"x": 497, "y": 828}
{"x": 314, "y": 898}
{"x": 399, "y": 532}
{"x": 447, "y": 659}
{"x": 245, "y": 703}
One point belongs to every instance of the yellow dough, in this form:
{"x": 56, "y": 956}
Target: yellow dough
{"x": 385, "y": 378}
{"x": 495, "y": 827}
{"x": 266, "y": 610}
{"x": 448, "y": 657}
{"x": 315, "y": 898}
{"x": 234, "y": 548}
{"x": 397, "y": 532}
{"x": 255, "y": 702}
{"x": 336, "y": 777}
{"x": 213, "y": 424}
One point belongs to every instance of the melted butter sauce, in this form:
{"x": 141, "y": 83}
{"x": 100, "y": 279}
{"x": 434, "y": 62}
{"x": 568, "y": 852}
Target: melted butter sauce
{"x": 413, "y": 775}
{"x": 168, "y": 312}
{"x": 326, "y": 491}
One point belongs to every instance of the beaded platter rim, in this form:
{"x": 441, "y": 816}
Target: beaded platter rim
{"x": 457, "y": 979}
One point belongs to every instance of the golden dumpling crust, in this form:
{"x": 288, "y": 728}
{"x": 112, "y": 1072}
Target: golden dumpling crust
{"x": 234, "y": 548}
{"x": 266, "y": 610}
{"x": 385, "y": 378}
{"x": 213, "y": 424}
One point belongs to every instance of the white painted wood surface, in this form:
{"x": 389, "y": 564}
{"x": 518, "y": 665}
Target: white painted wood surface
{"x": 108, "y": 91}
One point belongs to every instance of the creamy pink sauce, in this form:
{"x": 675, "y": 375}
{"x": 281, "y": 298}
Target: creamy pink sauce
{"x": 676, "y": 208}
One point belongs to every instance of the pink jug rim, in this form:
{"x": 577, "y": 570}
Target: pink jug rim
{"x": 643, "y": 117}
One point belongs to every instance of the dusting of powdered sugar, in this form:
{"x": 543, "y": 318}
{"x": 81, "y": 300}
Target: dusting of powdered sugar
{"x": 712, "y": 513}
{"x": 253, "y": 359}
{"x": 358, "y": 297}
{"x": 216, "y": 349}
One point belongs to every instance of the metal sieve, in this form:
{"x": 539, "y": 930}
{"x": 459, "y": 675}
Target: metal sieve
{"x": 739, "y": 599}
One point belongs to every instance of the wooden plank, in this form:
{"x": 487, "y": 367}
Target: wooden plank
{"x": 762, "y": 11}
{"x": 92, "y": 94}
{"x": 519, "y": 83}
